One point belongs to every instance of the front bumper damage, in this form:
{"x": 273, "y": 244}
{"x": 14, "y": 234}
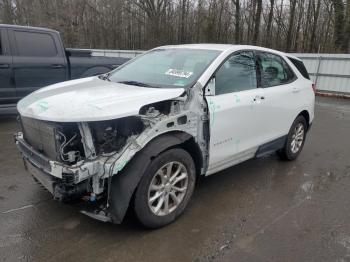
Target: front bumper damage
{"x": 65, "y": 182}
{"x": 61, "y": 180}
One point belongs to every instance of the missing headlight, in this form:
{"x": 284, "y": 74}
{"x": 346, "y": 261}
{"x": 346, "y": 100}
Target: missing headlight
{"x": 110, "y": 136}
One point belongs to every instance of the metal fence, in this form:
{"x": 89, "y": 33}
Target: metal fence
{"x": 330, "y": 72}
{"x": 116, "y": 53}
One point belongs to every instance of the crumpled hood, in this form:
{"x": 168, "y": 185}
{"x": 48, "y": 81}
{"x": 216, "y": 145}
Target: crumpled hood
{"x": 90, "y": 99}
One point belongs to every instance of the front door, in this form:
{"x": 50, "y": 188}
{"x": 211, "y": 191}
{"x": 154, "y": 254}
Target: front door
{"x": 37, "y": 61}
{"x": 234, "y": 112}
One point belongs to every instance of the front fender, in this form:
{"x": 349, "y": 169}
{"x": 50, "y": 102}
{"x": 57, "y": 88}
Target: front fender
{"x": 124, "y": 184}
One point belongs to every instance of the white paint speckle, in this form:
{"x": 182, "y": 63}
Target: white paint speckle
{"x": 10, "y": 240}
{"x": 344, "y": 240}
{"x": 307, "y": 187}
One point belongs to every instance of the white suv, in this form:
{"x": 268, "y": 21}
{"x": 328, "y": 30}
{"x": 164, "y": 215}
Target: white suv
{"x": 144, "y": 132}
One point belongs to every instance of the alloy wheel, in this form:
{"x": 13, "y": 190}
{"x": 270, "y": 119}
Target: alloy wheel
{"x": 297, "y": 138}
{"x": 167, "y": 188}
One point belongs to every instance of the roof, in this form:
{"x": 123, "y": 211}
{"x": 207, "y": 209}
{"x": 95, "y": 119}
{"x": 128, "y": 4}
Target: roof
{"x": 224, "y": 47}
{"x": 219, "y": 47}
{"x": 27, "y": 28}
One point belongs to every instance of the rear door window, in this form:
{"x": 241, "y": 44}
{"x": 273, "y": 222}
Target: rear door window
{"x": 274, "y": 70}
{"x": 35, "y": 44}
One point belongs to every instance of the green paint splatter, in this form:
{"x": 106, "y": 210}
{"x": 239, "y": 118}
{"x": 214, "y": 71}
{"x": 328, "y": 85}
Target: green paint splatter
{"x": 237, "y": 98}
{"x": 95, "y": 106}
{"x": 43, "y": 105}
{"x": 180, "y": 82}
{"x": 237, "y": 142}
{"x": 212, "y": 109}
{"x": 120, "y": 166}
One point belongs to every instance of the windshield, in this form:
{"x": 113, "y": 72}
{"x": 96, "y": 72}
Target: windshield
{"x": 165, "y": 68}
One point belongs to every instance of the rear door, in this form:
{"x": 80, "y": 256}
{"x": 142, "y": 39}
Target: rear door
{"x": 235, "y": 116}
{"x": 281, "y": 96}
{"x": 37, "y": 60}
{"x": 7, "y": 89}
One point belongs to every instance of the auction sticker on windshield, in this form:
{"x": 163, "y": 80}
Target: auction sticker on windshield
{"x": 178, "y": 73}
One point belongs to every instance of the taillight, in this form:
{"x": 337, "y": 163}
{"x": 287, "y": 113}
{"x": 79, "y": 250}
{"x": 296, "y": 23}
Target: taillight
{"x": 314, "y": 87}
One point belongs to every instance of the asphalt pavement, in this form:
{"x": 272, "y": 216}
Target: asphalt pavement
{"x": 261, "y": 210}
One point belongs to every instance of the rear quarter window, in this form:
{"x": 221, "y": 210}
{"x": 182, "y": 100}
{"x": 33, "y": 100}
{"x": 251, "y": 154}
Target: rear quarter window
{"x": 35, "y": 44}
{"x": 274, "y": 70}
{"x": 300, "y": 66}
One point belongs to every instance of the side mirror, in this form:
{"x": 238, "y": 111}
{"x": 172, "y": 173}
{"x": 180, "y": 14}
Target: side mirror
{"x": 210, "y": 87}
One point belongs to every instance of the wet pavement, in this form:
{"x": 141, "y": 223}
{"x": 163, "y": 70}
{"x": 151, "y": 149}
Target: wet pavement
{"x": 260, "y": 210}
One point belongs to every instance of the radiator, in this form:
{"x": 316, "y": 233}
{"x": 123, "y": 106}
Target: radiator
{"x": 41, "y": 135}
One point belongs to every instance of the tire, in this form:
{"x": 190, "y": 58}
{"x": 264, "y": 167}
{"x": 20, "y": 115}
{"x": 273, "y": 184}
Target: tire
{"x": 154, "y": 189}
{"x": 293, "y": 145}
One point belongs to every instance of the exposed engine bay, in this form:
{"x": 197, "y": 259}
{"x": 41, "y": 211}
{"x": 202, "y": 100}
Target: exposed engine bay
{"x": 110, "y": 136}
{"x": 63, "y": 141}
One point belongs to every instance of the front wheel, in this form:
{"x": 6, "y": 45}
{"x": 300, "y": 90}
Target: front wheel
{"x": 165, "y": 189}
{"x": 295, "y": 140}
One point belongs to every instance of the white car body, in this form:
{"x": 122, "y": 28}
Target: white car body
{"x": 242, "y": 124}
{"x": 90, "y": 99}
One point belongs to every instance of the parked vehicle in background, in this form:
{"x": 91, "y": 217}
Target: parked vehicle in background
{"x": 144, "y": 132}
{"x": 31, "y": 58}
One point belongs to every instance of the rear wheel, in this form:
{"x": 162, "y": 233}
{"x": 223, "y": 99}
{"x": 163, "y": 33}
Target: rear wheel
{"x": 165, "y": 189}
{"x": 295, "y": 140}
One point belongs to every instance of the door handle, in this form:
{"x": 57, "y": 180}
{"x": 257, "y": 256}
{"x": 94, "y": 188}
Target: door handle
{"x": 258, "y": 98}
{"x": 295, "y": 90}
{"x": 4, "y": 66}
{"x": 57, "y": 66}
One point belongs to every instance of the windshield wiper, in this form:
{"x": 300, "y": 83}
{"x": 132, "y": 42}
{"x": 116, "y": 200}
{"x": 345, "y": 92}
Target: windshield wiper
{"x": 136, "y": 83}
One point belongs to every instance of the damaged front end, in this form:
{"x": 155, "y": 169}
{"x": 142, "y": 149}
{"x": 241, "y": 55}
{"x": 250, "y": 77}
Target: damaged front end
{"x": 79, "y": 159}
{"x": 73, "y": 153}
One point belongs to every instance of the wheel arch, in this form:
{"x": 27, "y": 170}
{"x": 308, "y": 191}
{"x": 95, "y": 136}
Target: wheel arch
{"x": 306, "y": 115}
{"x": 177, "y": 139}
{"x": 124, "y": 184}
{"x": 188, "y": 143}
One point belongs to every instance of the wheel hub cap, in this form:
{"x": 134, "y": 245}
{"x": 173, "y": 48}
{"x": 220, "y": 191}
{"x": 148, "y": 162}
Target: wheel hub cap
{"x": 167, "y": 188}
{"x": 297, "y": 138}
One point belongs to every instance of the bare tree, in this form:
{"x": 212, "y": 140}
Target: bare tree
{"x": 289, "y": 25}
{"x": 269, "y": 24}
{"x": 316, "y": 10}
{"x": 346, "y": 43}
{"x": 237, "y": 6}
{"x": 7, "y": 11}
{"x": 257, "y": 21}
{"x": 339, "y": 23}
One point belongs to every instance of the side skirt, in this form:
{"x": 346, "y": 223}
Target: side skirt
{"x": 271, "y": 147}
